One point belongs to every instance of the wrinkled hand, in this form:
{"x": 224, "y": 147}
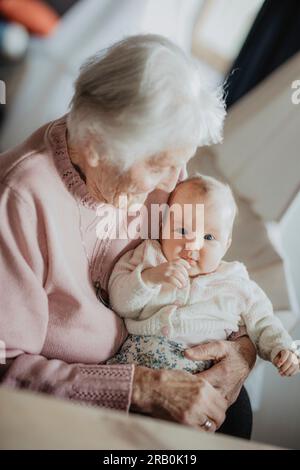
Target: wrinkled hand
{"x": 233, "y": 363}
{"x": 172, "y": 272}
{"x": 287, "y": 363}
{"x": 177, "y": 395}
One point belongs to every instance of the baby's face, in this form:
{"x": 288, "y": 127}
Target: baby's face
{"x": 203, "y": 246}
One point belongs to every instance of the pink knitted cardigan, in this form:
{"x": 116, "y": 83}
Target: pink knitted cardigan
{"x": 52, "y": 265}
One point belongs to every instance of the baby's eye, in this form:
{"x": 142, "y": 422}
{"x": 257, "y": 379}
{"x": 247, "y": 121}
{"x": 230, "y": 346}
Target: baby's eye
{"x": 182, "y": 231}
{"x": 209, "y": 237}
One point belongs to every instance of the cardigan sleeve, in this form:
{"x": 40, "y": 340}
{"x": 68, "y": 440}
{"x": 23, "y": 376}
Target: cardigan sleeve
{"x": 128, "y": 294}
{"x": 108, "y": 386}
{"x": 23, "y": 261}
{"x": 263, "y": 327}
{"x": 24, "y": 319}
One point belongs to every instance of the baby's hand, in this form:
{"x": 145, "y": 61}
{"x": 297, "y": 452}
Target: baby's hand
{"x": 172, "y": 272}
{"x": 287, "y": 363}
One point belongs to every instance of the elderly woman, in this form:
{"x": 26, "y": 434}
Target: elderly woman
{"x": 137, "y": 116}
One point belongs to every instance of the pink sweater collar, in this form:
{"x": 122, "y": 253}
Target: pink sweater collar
{"x": 57, "y": 137}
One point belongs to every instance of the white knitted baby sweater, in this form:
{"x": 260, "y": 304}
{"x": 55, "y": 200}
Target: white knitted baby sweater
{"x": 210, "y": 308}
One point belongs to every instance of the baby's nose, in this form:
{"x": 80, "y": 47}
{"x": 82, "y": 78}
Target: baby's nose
{"x": 194, "y": 245}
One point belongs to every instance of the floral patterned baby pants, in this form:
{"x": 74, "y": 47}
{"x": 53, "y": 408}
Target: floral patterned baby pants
{"x": 156, "y": 352}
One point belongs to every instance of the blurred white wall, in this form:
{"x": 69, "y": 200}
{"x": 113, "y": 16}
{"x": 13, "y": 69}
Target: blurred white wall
{"x": 278, "y": 419}
{"x": 221, "y": 30}
{"x": 290, "y": 229}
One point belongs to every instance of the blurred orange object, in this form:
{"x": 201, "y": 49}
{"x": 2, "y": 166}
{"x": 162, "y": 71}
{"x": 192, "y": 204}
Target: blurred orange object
{"x": 35, "y": 15}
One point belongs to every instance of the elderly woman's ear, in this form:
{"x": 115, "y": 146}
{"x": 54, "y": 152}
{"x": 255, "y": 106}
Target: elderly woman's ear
{"x": 86, "y": 154}
{"x": 91, "y": 156}
{"x": 89, "y": 150}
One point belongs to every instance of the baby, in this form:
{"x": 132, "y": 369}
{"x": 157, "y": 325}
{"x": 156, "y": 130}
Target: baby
{"x": 178, "y": 292}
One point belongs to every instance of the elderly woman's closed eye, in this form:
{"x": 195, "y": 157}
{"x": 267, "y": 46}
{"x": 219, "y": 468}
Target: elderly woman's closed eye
{"x": 139, "y": 111}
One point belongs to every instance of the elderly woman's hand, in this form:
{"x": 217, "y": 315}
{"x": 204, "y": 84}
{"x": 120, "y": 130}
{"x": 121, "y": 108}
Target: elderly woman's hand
{"x": 233, "y": 363}
{"x": 177, "y": 396}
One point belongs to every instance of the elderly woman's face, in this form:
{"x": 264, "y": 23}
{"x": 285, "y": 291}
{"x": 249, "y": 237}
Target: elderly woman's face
{"x": 157, "y": 172}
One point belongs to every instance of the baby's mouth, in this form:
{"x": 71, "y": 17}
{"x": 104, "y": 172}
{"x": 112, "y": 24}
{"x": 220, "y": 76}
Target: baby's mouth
{"x": 191, "y": 261}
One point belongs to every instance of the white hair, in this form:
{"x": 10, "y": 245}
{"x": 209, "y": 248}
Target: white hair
{"x": 143, "y": 96}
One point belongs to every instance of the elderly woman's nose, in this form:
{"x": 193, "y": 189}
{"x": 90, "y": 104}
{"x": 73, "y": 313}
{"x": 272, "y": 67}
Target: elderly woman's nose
{"x": 169, "y": 183}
